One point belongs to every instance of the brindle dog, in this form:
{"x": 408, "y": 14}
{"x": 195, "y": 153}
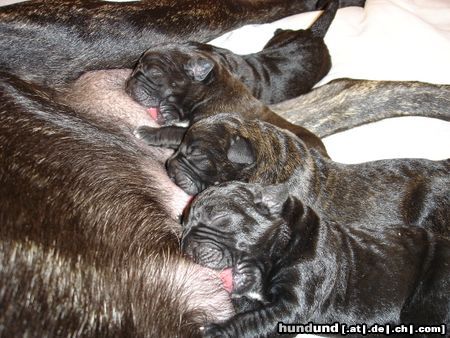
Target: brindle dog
{"x": 89, "y": 243}
{"x": 226, "y": 147}
{"x": 302, "y": 269}
{"x": 178, "y": 81}
{"x": 187, "y": 82}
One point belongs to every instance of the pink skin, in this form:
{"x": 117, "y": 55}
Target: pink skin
{"x": 206, "y": 289}
{"x": 153, "y": 112}
{"x": 180, "y": 201}
{"x": 227, "y": 279}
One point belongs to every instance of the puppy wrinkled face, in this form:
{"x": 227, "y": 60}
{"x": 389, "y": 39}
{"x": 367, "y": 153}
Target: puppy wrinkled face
{"x": 209, "y": 155}
{"x": 230, "y": 223}
{"x": 170, "y": 80}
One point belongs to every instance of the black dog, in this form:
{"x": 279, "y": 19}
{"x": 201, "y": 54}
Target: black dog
{"x": 187, "y": 82}
{"x": 303, "y": 269}
{"x": 176, "y": 79}
{"x": 226, "y": 147}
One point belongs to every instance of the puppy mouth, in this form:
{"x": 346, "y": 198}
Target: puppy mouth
{"x": 166, "y": 114}
{"x": 154, "y": 113}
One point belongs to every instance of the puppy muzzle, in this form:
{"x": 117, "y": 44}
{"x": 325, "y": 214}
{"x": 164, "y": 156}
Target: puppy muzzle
{"x": 184, "y": 176}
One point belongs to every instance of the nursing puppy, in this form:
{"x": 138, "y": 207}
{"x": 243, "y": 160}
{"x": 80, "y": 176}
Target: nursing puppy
{"x": 227, "y": 147}
{"x": 180, "y": 81}
{"x": 188, "y": 82}
{"x": 302, "y": 269}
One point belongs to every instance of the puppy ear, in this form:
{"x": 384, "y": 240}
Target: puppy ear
{"x": 241, "y": 151}
{"x": 272, "y": 198}
{"x": 198, "y": 69}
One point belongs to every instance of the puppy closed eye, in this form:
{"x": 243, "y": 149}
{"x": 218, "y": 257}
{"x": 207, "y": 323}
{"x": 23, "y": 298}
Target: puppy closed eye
{"x": 194, "y": 152}
{"x": 155, "y": 72}
{"x": 203, "y": 163}
{"x": 155, "y": 75}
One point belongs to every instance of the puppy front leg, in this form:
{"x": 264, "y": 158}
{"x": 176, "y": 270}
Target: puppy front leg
{"x": 166, "y": 137}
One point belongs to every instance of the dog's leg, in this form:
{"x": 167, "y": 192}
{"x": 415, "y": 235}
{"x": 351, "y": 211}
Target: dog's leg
{"x": 346, "y": 103}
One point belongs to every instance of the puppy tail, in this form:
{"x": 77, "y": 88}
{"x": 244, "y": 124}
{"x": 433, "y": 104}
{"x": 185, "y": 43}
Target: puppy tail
{"x": 320, "y": 27}
{"x": 346, "y": 103}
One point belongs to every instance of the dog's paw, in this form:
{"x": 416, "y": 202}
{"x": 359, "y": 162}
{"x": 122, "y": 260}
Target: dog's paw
{"x": 214, "y": 331}
{"x": 147, "y": 134}
{"x": 143, "y": 131}
{"x": 246, "y": 275}
{"x": 169, "y": 114}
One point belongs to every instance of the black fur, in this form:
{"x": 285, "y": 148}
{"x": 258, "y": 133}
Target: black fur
{"x": 302, "y": 269}
{"x": 177, "y": 79}
{"x": 399, "y": 191}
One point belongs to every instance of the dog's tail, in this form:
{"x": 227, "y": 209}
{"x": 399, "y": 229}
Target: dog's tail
{"x": 346, "y": 103}
{"x": 320, "y": 27}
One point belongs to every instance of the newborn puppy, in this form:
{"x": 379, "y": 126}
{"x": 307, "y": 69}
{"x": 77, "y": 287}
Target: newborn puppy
{"x": 176, "y": 78}
{"x": 187, "y": 82}
{"x": 226, "y": 147}
{"x": 303, "y": 269}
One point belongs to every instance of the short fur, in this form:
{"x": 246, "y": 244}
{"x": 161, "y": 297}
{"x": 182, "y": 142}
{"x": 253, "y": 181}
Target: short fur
{"x": 303, "y": 269}
{"x": 346, "y": 103}
{"x": 399, "y": 191}
{"x": 53, "y": 42}
{"x": 188, "y": 82}
{"x": 175, "y": 77}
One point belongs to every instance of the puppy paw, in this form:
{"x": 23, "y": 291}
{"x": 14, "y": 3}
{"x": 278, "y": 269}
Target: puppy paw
{"x": 147, "y": 134}
{"x": 169, "y": 114}
{"x": 213, "y": 331}
{"x": 248, "y": 280}
{"x": 142, "y": 131}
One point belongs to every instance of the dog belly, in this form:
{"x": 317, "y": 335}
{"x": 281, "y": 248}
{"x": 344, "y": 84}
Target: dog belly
{"x": 89, "y": 239}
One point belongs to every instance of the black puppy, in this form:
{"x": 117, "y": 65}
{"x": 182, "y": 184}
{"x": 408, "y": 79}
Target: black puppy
{"x": 303, "y": 269}
{"x": 176, "y": 78}
{"x": 226, "y": 147}
{"x": 187, "y": 82}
